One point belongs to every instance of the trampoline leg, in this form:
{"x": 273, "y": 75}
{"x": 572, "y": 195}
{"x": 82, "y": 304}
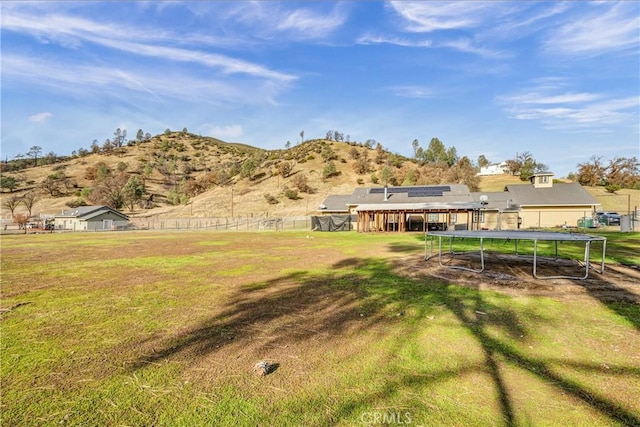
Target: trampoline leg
{"x": 535, "y": 264}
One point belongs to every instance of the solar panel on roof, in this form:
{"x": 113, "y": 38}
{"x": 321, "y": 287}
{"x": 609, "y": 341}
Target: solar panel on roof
{"x": 431, "y": 191}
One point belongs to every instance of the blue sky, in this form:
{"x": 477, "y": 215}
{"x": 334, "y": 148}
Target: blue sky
{"x": 560, "y": 80}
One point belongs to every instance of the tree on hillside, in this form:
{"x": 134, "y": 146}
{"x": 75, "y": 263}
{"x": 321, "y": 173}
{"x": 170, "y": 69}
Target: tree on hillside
{"x": 525, "y": 165}
{"x": 301, "y": 182}
{"x": 95, "y": 146}
{"x": 435, "y": 152}
{"x": 416, "y": 145}
{"x": 133, "y": 191}
{"x": 11, "y": 203}
{"x": 8, "y": 182}
{"x": 119, "y": 137}
{"x": 55, "y": 184}
{"x": 451, "y": 156}
{"x": 109, "y": 191}
{"x": 361, "y": 165}
{"x": 387, "y": 176}
{"x": 463, "y": 172}
{"x": 139, "y": 136}
{"x": 381, "y": 155}
{"x": 29, "y": 201}
{"x": 34, "y": 152}
{"x": 329, "y": 170}
{"x": 249, "y": 166}
{"x": 623, "y": 172}
{"x": 328, "y": 154}
{"x": 284, "y": 169}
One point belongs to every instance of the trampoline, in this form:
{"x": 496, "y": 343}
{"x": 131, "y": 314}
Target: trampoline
{"x": 515, "y": 237}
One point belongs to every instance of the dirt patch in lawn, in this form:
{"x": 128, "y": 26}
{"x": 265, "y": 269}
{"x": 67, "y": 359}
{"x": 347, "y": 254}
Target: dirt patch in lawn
{"x": 513, "y": 275}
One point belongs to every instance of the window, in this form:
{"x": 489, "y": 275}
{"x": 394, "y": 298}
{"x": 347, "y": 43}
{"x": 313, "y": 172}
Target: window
{"x": 433, "y": 217}
{"x": 453, "y": 218}
{"x": 478, "y": 216}
{"x": 544, "y": 179}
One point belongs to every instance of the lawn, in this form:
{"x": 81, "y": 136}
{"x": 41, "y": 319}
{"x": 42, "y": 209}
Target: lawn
{"x": 164, "y": 329}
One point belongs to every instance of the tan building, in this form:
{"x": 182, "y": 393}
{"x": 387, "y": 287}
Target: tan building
{"x": 545, "y": 204}
{"x": 540, "y": 204}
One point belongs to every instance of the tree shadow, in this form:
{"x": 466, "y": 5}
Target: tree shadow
{"x": 359, "y": 294}
{"x": 619, "y": 300}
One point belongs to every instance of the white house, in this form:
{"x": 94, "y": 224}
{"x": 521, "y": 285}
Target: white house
{"x": 494, "y": 169}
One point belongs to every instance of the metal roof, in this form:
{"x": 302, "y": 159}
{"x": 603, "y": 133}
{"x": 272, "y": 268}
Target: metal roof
{"x": 467, "y": 206}
{"x": 88, "y": 212}
{"x": 561, "y": 194}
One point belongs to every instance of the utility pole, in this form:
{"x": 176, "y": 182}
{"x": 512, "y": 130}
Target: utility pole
{"x": 232, "y": 202}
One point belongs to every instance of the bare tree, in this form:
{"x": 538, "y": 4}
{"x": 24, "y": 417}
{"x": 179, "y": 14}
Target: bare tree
{"x": 35, "y": 152}
{"x": 29, "y": 200}
{"x": 11, "y": 203}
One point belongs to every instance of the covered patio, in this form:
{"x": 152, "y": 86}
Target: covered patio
{"x": 420, "y": 217}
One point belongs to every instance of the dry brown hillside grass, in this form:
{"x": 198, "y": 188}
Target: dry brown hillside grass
{"x": 205, "y": 154}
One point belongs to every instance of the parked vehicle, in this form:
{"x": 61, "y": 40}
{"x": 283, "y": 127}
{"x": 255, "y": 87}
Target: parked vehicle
{"x": 608, "y": 218}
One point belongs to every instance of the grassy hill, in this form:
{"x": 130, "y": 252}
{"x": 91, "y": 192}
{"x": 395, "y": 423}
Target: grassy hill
{"x": 168, "y": 161}
{"x": 195, "y": 158}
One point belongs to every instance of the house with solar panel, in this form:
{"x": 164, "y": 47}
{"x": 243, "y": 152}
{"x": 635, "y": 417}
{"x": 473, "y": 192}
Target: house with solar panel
{"x": 410, "y": 208}
{"x": 540, "y": 204}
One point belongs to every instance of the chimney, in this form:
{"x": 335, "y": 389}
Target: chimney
{"x": 385, "y": 193}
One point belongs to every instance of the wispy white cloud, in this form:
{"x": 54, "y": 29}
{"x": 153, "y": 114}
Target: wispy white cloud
{"x": 603, "y": 28}
{"x": 392, "y": 40}
{"x": 306, "y": 23}
{"x": 461, "y": 26}
{"x": 585, "y": 111}
{"x": 82, "y": 81}
{"x": 72, "y": 32}
{"x": 40, "y": 117}
{"x": 228, "y": 132}
{"x": 282, "y": 22}
{"x": 428, "y": 16}
{"x": 413, "y": 91}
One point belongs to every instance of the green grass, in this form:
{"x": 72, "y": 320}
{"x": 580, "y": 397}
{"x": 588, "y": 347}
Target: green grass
{"x": 155, "y": 329}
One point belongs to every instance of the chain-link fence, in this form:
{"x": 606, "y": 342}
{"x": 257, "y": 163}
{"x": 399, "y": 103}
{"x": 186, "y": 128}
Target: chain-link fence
{"x": 222, "y": 224}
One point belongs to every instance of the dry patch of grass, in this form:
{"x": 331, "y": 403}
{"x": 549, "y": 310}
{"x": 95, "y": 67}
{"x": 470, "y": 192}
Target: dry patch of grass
{"x": 164, "y": 329}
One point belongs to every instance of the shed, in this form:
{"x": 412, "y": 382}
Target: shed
{"x": 90, "y": 218}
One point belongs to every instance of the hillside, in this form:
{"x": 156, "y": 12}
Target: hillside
{"x": 182, "y": 157}
{"x": 218, "y": 182}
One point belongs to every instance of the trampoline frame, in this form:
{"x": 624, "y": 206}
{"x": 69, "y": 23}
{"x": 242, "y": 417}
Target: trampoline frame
{"x": 516, "y": 236}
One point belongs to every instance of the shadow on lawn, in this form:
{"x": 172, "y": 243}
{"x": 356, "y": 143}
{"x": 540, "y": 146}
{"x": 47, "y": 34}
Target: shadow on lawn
{"x": 359, "y": 294}
{"x": 624, "y": 303}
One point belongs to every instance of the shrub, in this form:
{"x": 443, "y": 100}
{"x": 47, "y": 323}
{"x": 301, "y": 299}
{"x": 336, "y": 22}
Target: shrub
{"x": 612, "y": 188}
{"x": 291, "y": 194}
{"x": 271, "y": 199}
